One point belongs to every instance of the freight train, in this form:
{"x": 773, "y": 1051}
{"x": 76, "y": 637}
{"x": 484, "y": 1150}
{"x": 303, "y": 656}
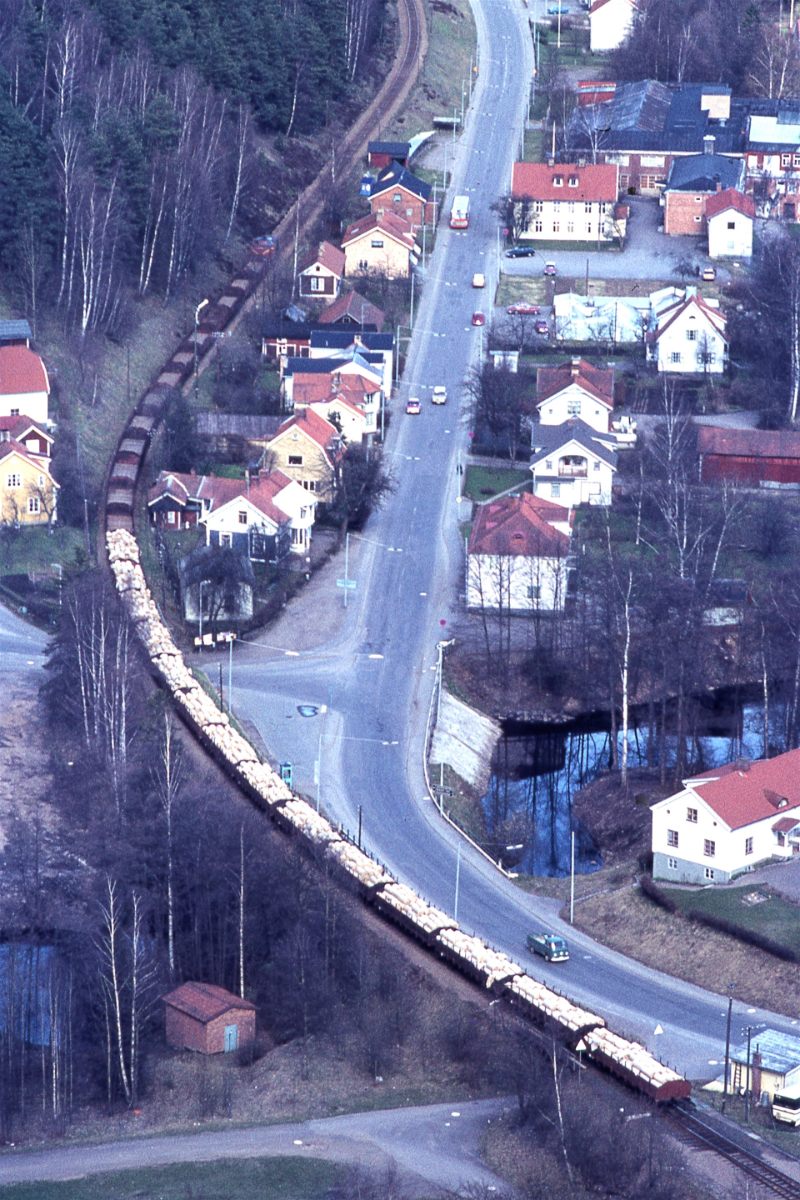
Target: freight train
{"x": 584, "y": 1031}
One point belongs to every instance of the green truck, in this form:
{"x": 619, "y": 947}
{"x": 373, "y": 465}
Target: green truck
{"x": 549, "y": 945}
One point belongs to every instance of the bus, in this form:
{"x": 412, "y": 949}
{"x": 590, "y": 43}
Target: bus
{"x": 786, "y": 1105}
{"x": 459, "y": 213}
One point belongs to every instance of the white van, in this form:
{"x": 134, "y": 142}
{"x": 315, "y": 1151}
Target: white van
{"x": 478, "y": 280}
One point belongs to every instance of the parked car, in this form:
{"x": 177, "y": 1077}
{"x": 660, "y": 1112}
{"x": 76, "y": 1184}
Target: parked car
{"x": 523, "y": 310}
{"x": 478, "y": 318}
{"x": 708, "y": 274}
{"x": 413, "y": 406}
{"x": 439, "y": 394}
{"x": 478, "y": 280}
{"x": 520, "y": 252}
{"x": 550, "y": 269}
{"x": 542, "y": 327}
{"x": 554, "y": 9}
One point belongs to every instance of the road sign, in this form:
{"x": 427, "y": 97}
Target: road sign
{"x": 443, "y": 791}
{"x": 349, "y": 584}
{"x": 286, "y": 773}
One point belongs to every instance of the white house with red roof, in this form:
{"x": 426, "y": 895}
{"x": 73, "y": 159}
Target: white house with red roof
{"x": 610, "y": 23}
{"x": 24, "y": 386}
{"x": 687, "y": 335}
{"x": 321, "y": 276}
{"x": 730, "y": 215}
{"x": 567, "y": 202}
{"x": 728, "y": 820}
{"x": 258, "y": 515}
{"x": 575, "y": 388}
{"x": 517, "y": 555}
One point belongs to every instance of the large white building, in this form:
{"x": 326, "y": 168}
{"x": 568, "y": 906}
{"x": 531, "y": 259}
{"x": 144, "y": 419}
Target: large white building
{"x": 688, "y": 335}
{"x": 609, "y": 23}
{"x": 566, "y": 202}
{"x": 728, "y": 820}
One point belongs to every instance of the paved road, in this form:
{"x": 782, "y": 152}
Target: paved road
{"x": 436, "y": 1145}
{"x": 21, "y": 645}
{"x": 363, "y": 752}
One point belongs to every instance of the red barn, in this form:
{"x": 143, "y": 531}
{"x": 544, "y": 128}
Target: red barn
{"x": 750, "y": 457}
{"x": 207, "y": 1018}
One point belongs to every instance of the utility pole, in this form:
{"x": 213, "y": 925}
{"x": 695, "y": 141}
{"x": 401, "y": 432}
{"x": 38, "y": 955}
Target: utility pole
{"x": 197, "y": 312}
{"x": 727, "y": 1047}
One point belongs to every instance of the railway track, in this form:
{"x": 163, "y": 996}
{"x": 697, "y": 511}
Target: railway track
{"x": 693, "y": 1131}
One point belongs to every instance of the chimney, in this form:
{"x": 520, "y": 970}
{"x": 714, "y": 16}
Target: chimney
{"x": 575, "y": 367}
{"x": 551, "y": 162}
{"x": 742, "y": 764}
{"x": 755, "y": 1086}
{"x": 709, "y": 142}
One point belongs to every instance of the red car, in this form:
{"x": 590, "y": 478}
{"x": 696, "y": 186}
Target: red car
{"x": 542, "y": 327}
{"x": 478, "y": 318}
{"x": 523, "y": 310}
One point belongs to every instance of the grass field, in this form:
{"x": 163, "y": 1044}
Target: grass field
{"x": 229, "y": 1179}
{"x": 451, "y": 50}
{"x": 481, "y": 483}
{"x": 516, "y": 288}
{"x": 755, "y": 908}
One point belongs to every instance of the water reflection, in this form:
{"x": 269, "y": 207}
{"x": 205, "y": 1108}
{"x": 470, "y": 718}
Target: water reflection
{"x": 538, "y": 768}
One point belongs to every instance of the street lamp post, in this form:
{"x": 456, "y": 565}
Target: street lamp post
{"x": 197, "y": 312}
{"x": 727, "y": 1047}
{"x": 203, "y": 583}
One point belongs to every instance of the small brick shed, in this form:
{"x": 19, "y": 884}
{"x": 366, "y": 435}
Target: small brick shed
{"x": 207, "y": 1018}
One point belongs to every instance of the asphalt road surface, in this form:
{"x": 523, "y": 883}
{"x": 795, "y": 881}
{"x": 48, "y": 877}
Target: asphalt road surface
{"x": 438, "y": 1144}
{"x": 362, "y": 752}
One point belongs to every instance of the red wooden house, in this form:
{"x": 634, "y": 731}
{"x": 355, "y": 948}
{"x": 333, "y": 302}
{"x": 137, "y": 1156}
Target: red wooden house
{"x": 750, "y": 457}
{"x": 207, "y": 1018}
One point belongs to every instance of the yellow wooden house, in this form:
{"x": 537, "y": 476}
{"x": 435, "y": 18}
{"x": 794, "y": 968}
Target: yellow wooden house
{"x": 307, "y": 448}
{"x": 28, "y": 492}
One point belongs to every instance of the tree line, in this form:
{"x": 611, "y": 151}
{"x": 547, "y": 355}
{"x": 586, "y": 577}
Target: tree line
{"x": 128, "y": 135}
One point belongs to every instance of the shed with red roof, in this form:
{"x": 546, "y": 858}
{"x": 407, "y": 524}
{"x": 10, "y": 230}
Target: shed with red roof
{"x": 728, "y": 820}
{"x": 208, "y": 1018}
{"x": 750, "y": 457}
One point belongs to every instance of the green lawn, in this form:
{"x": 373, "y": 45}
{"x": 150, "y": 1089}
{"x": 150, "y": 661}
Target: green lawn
{"x": 481, "y": 483}
{"x": 516, "y": 288}
{"x": 228, "y": 1179}
{"x": 773, "y": 917}
{"x": 27, "y": 550}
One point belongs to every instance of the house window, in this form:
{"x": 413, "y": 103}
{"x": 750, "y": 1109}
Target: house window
{"x": 786, "y": 160}
{"x": 243, "y": 518}
{"x": 698, "y": 218}
{"x": 672, "y": 863}
{"x": 397, "y": 198}
{"x": 571, "y": 206}
{"x": 697, "y": 199}
{"x": 33, "y": 504}
{"x": 588, "y": 226}
{"x": 14, "y": 481}
{"x": 362, "y": 264}
{"x": 587, "y": 206}
{"x": 748, "y": 845}
{"x": 570, "y": 227}
{"x": 675, "y": 356}
{"x": 596, "y": 464}
{"x": 376, "y": 243}
{"x": 548, "y": 466}
{"x": 14, "y": 412}
{"x": 317, "y": 283}
{"x": 781, "y": 840}
{"x": 672, "y": 838}
{"x": 537, "y": 226}
{"x": 534, "y": 591}
{"x": 310, "y": 485}
{"x": 709, "y": 848}
{"x": 295, "y": 460}
{"x": 574, "y": 407}
{"x": 731, "y": 224}
{"x": 691, "y": 335}
{"x": 171, "y": 517}
{"x": 705, "y": 357}
{"x": 41, "y": 481}
{"x": 556, "y": 226}
{"x": 558, "y": 181}
{"x": 555, "y": 490}
{"x": 537, "y": 206}
{"x": 691, "y": 816}
{"x": 573, "y": 181}
{"x": 709, "y": 872}
{"x": 226, "y": 539}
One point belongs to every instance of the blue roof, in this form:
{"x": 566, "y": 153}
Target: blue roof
{"x": 399, "y": 176}
{"x": 395, "y": 149}
{"x": 549, "y": 439}
{"x": 342, "y": 339}
{"x": 704, "y": 173}
{"x": 780, "y": 1052}
{"x": 15, "y": 331}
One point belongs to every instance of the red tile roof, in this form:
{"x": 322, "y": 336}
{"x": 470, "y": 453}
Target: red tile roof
{"x": 216, "y": 489}
{"x": 328, "y": 256}
{"x": 536, "y": 181}
{"x": 748, "y": 443}
{"x": 390, "y": 224}
{"x": 205, "y": 1001}
{"x": 18, "y": 426}
{"x": 21, "y": 372}
{"x": 730, "y": 198}
{"x": 669, "y": 315}
{"x": 520, "y": 526}
{"x": 597, "y": 381}
{"x": 306, "y": 389}
{"x": 741, "y": 793}
{"x": 326, "y": 436}
{"x": 35, "y": 460}
{"x": 352, "y": 304}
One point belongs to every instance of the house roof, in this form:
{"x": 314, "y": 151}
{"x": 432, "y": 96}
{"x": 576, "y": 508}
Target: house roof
{"x": 15, "y": 331}
{"x": 597, "y": 4}
{"x": 743, "y": 792}
{"x": 520, "y": 526}
{"x": 11, "y": 448}
{"x": 779, "y": 1052}
{"x": 205, "y": 1001}
{"x": 347, "y": 338}
{"x": 313, "y": 389}
{"x": 748, "y": 443}
{"x": 394, "y": 227}
{"x": 328, "y": 256}
{"x": 668, "y": 316}
{"x": 21, "y": 371}
{"x": 539, "y": 181}
{"x": 314, "y": 426}
{"x": 222, "y": 424}
{"x": 786, "y": 824}
{"x": 597, "y": 381}
{"x": 704, "y": 173}
{"x": 17, "y": 427}
{"x": 547, "y": 440}
{"x": 398, "y": 176}
{"x": 364, "y": 362}
{"x": 395, "y": 149}
{"x": 727, "y": 199}
{"x": 354, "y": 306}
{"x": 215, "y": 491}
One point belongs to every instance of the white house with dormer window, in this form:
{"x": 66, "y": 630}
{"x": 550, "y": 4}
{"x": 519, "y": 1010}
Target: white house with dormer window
{"x": 728, "y": 821}
{"x": 567, "y": 202}
{"x": 686, "y": 336}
